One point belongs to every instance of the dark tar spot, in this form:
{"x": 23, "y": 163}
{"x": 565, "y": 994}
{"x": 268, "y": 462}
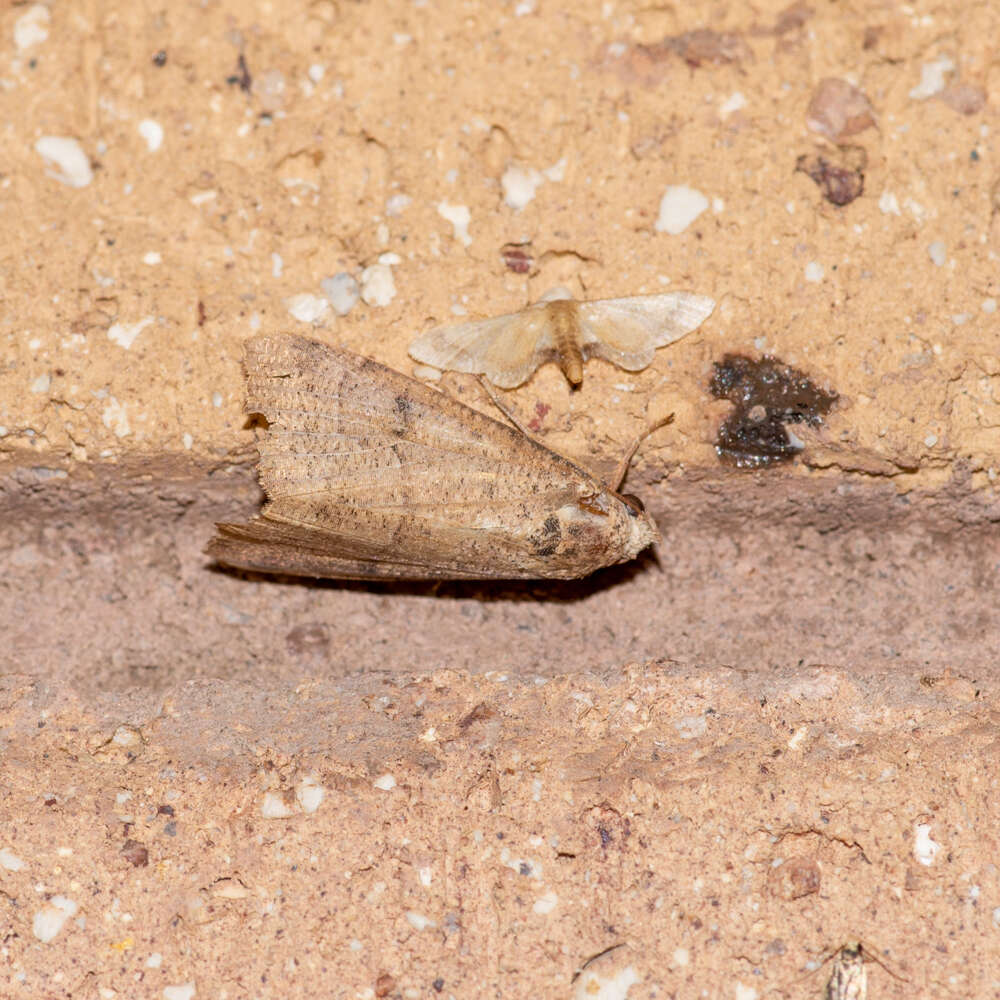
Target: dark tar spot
{"x": 160, "y": 58}
{"x": 766, "y": 394}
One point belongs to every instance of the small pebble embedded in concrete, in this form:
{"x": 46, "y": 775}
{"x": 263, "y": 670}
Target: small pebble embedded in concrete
{"x": 32, "y": 27}
{"x": 68, "y": 163}
{"x": 152, "y": 132}
{"x": 925, "y": 848}
{"x": 52, "y": 917}
{"x": 679, "y": 207}
{"x": 307, "y": 308}
{"x": 691, "y": 726}
{"x": 459, "y": 216}
{"x": 519, "y": 185}
{"x": 378, "y": 287}
{"x": 10, "y": 861}
{"x": 933, "y": 76}
{"x": 938, "y": 253}
{"x": 814, "y": 271}
{"x": 273, "y": 806}
{"x": 184, "y": 991}
{"x": 386, "y": 782}
{"x": 125, "y": 334}
{"x": 343, "y": 292}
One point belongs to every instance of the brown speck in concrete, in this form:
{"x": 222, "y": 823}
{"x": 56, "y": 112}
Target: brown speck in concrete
{"x": 840, "y": 176}
{"x": 838, "y": 109}
{"x": 795, "y": 878}
{"x": 136, "y": 853}
{"x": 766, "y": 394}
{"x": 518, "y": 257}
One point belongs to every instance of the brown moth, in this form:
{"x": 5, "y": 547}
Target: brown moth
{"x": 508, "y": 349}
{"x": 372, "y": 475}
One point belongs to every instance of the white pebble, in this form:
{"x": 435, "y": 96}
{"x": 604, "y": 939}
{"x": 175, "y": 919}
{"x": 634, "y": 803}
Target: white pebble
{"x": 386, "y": 782}
{"x": 888, "y": 204}
{"x": 459, "y": 217}
{"x": 938, "y": 253}
{"x": 557, "y": 171}
{"x": 342, "y": 291}
{"x": 41, "y": 384}
{"x": 814, "y": 271}
{"x": 188, "y": 441}
{"x": 545, "y": 903}
{"x": 316, "y": 72}
{"x": 591, "y": 985}
{"x": 679, "y": 207}
{"x": 273, "y": 806}
{"x": 32, "y": 27}
{"x": 734, "y": 102}
{"x": 378, "y": 288}
{"x": 691, "y": 726}
{"x": 519, "y": 185}
{"x": 310, "y": 794}
{"x": 932, "y": 78}
{"x": 989, "y": 305}
{"x": 183, "y": 992}
{"x": 307, "y": 308}
{"x": 115, "y": 418}
{"x": 931, "y": 440}
{"x": 418, "y": 921}
{"x": 72, "y": 166}
{"x": 154, "y": 961}
{"x": 10, "y": 861}
{"x": 124, "y": 334}
{"x": 152, "y": 132}
{"x": 682, "y": 957}
{"x": 49, "y": 920}
{"x": 925, "y": 850}
{"x": 397, "y": 204}
{"x": 151, "y": 258}
{"x": 745, "y": 992}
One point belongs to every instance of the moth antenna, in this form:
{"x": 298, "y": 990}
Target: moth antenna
{"x": 622, "y": 470}
{"x": 504, "y": 408}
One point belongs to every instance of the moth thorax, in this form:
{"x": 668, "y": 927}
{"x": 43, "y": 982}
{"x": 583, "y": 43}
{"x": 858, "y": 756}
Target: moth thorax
{"x": 565, "y": 318}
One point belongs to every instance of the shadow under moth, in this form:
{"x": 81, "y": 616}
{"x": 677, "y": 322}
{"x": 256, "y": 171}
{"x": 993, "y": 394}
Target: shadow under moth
{"x": 507, "y": 349}
{"x": 370, "y": 474}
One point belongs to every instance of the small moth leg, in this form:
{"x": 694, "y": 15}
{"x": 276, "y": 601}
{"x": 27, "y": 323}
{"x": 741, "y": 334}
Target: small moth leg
{"x": 504, "y": 408}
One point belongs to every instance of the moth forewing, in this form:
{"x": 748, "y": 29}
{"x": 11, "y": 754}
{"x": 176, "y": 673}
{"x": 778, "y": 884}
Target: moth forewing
{"x": 371, "y": 474}
{"x": 508, "y": 349}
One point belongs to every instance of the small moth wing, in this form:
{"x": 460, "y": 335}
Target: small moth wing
{"x": 627, "y": 331}
{"x": 371, "y": 474}
{"x": 506, "y": 349}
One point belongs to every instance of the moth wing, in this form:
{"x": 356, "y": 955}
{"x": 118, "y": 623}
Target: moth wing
{"x": 264, "y": 546}
{"x": 506, "y": 349}
{"x": 627, "y": 331}
{"x": 370, "y": 473}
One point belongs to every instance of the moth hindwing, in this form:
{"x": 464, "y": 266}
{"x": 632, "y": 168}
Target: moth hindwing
{"x": 370, "y": 474}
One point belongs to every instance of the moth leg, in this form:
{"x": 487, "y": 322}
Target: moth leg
{"x": 504, "y": 408}
{"x": 622, "y": 470}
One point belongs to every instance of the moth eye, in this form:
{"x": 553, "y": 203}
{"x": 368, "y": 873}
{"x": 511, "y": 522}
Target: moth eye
{"x": 593, "y": 504}
{"x": 633, "y": 504}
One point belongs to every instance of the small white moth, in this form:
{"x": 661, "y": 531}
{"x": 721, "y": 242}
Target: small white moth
{"x": 507, "y": 349}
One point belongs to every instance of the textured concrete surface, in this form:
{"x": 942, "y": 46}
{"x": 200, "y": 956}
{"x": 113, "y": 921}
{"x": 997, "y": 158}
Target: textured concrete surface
{"x": 699, "y": 775}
